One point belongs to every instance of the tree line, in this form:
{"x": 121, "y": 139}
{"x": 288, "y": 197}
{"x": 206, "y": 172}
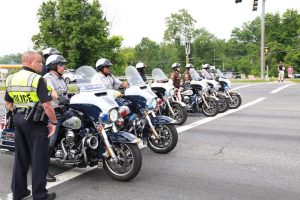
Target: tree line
{"x": 80, "y": 31}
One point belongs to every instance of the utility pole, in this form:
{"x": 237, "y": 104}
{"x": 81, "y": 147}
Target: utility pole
{"x": 262, "y": 43}
{"x": 262, "y": 47}
{"x": 187, "y": 50}
{"x": 214, "y": 56}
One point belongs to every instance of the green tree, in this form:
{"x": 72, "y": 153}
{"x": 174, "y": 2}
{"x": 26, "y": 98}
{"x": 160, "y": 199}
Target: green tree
{"x": 11, "y": 59}
{"x": 168, "y": 54}
{"x": 76, "y": 28}
{"x": 180, "y": 27}
{"x": 147, "y": 52}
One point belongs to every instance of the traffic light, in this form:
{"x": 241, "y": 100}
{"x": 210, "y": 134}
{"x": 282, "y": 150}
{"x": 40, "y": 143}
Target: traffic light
{"x": 266, "y": 50}
{"x": 255, "y": 3}
{"x": 238, "y": 1}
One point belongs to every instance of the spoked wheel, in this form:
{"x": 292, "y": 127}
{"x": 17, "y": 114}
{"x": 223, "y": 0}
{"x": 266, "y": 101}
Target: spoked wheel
{"x": 167, "y": 141}
{"x": 180, "y": 114}
{"x": 128, "y": 165}
{"x": 236, "y": 101}
{"x": 223, "y": 104}
{"x": 213, "y": 108}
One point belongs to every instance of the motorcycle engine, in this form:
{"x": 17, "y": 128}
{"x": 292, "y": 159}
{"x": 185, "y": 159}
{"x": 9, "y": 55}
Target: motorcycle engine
{"x": 186, "y": 100}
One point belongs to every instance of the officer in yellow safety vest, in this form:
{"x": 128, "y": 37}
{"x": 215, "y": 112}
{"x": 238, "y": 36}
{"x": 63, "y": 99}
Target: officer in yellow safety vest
{"x": 28, "y": 97}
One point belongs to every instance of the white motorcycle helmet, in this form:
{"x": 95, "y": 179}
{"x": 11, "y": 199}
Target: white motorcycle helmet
{"x": 102, "y": 63}
{"x": 213, "y": 67}
{"x": 140, "y": 65}
{"x": 205, "y": 66}
{"x": 189, "y": 65}
{"x": 175, "y": 65}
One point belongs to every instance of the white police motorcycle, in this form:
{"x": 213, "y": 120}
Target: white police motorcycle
{"x": 235, "y": 99}
{"x": 157, "y": 131}
{"x": 164, "y": 89}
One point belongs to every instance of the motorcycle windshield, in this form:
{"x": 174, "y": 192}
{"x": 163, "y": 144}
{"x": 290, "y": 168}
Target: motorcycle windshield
{"x": 194, "y": 74}
{"x": 88, "y": 80}
{"x": 158, "y": 75}
{"x": 219, "y": 73}
{"x": 206, "y": 74}
{"x": 133, "y": 77}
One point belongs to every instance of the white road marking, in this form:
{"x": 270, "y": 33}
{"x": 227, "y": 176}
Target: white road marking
{"x": 206, "y": 120}
{"x": 281, "y": 88}
{"x": 245, "y": 86}
{"x": 63, "y": 177}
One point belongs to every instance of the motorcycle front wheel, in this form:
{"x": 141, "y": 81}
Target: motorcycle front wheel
{"x": 180, "y": 114}
{"x": 223, "y": 104}
{"x": 167, "y": 141}
{"x": 213, "y": 108}
{"x": 236, "y": 101}
{"x": 128, "y": 165}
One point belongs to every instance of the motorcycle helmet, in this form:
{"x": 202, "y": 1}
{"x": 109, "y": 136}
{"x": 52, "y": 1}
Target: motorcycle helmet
{"x": 189, "y": 65}
{"x": 50, "y": 51}
{"x": 140, "y": 65}
{"x": 205, "y": 66}
{"x": 175, "y": 65}
{"x": 54, "y": 60}
{"x": 102, "y": 62}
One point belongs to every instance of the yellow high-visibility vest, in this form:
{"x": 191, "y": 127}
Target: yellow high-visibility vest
{"x": 22, "y": 88}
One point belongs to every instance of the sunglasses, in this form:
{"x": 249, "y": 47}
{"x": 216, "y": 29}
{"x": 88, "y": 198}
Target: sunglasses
{"x": 61, "y": 64}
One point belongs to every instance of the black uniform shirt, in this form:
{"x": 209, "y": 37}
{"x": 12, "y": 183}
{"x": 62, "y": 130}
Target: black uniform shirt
{"x": 42, "y": 92}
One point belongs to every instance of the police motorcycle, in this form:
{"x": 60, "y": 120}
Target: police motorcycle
{"x": 235, "y": 99}
{"x": 138, "y": 109}
{"x": 7, "y": 133}
{"x": 89, "y": 137}
{"x": 197, "y": 98}
{"x": 214, "y": 87}
{"x": 165, "y": 91}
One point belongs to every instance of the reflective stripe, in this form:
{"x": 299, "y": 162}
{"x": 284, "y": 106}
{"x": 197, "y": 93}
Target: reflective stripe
{"x": 25, "y": 105}
{"x": 31, "y": 78}
{"x": 21, "y": 89}
{"x": 8, "y": 81}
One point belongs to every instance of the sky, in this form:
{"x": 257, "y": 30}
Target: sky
{"x": 134, "y": 19}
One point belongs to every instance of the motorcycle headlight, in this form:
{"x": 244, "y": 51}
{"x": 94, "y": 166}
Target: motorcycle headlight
{"x": 113, "y": 115}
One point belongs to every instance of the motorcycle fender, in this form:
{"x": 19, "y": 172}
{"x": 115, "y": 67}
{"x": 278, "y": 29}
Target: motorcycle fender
{"x": 223, "y": 95}
{"x": 179, "y": 102}
{"x": 161, "y": 119}
{"x": 124, "y": 137}
{"x": 234, "y": 93}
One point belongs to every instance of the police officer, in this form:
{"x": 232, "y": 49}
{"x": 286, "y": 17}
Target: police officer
{"x": 141, "y": 69}
{"x": 46, "y": 53}
{"x": 24, "y": 90}
{"x": 186, "y": 75}
{"x": 55, "y": 66}
{"x": 110, "y": 82}
{"x": 176, "y": 77}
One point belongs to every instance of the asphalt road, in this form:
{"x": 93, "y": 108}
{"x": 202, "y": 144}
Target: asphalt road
{"x": 249, "y": 153}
